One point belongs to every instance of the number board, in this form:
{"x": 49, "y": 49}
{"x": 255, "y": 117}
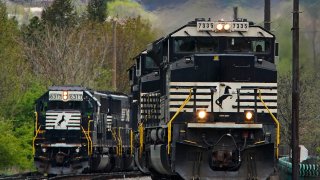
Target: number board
{"x": 206, "y": 26}
{"x": 211, "y": 26}
{"x": 72, "y": 96}
{"x": 239, "y": 26}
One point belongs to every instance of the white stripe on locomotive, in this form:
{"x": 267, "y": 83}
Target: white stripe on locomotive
{"x": 179, "y": 92}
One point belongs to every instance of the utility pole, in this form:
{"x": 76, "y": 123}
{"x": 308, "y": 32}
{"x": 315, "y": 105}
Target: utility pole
{"x": 235, "y": 13}
{"x": 267, "y": 19}
{"x": 114, "y": 63}
{"x": 295, "y": 92}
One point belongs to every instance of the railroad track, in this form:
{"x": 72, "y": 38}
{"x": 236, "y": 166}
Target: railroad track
{"x": 101, "y": 176}
{"x": 91, "y": 176}
{"x": 28, "y": 175}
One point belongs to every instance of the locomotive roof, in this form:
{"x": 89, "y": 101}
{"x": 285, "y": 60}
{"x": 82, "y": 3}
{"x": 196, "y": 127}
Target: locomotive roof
{"x": 190, "y": 29}
{"x": 111, "y": 93}
{"x": 68, "y": 88}
{"x": 81, "y": 88}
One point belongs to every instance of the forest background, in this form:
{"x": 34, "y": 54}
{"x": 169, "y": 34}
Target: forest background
{"x": 73, "y": 43}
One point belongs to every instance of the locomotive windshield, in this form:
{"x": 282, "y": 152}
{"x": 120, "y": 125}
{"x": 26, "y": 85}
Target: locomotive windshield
{"x": 150, "y": 64}
{"x": 248, "y": 45}
{"x": 55, "y": 105}
{"x": 199, "y": 45}
{"x": 222, "y": 45}
{"x": 86, "y": 106}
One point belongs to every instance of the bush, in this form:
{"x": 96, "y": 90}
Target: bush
{"x": 14, "y": 152}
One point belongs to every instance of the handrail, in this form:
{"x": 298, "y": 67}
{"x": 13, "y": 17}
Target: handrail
{"x": 131, "y": 142}
{"x": 120, "y": 141}
{"x": 174, "y": 116}
{"x": 141, "y": 138}
{"x": 114, "y": 135}
{"x": 88, "y": 132}
{"x": 85, "y": 134}
{"x": 89, "y": 126}
{"x": 33, "y": 140}
{"x": 36, "y": 124}
{"x": 276, "y": 121}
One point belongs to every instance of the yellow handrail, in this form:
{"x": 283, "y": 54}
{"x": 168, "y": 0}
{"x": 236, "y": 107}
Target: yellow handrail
{"x": 174, "y": 116}
{"x": 131, "y": 142}
{"x": 141, "y": 138}
{"x": 114, "y": 135}
{"x": 33, "y": 140}
{"x": 89, "y": 125}
{"x": 120, "y": 142}
{"x": 86, "y": 135}
{"x": 276, "y": 121}
{"x": 36, "y": 124}
{"x": 88, "y": 132}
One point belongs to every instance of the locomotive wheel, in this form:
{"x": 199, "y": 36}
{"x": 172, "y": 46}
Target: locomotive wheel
{"x": 128, "y": 163}
{"x": 95, "y": 164}
{"x": 140, "y": 162}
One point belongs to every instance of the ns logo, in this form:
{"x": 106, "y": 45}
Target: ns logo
{"x": 225, "y": 95}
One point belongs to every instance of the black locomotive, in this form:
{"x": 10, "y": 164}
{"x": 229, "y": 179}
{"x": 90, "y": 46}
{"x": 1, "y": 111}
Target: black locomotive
{"x": 77, "y": 130}
{"x": 204, "y": 99}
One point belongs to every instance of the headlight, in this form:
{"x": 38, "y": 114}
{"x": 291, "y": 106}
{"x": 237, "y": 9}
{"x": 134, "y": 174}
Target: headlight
{"x": 77, "y": 149}
{"x": 248, "y": 115}
{"x": 226, "y": 27}
{"x": 202, "y": 114}
{"x": 219, "y": 27}
{"x": 44, "y": 150}
{"x": 65, "y": 95}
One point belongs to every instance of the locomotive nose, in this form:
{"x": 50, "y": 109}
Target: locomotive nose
{"x": 221, "y": 158}
{"x": 60, "y": 157}
{"x": 225, "y": 159}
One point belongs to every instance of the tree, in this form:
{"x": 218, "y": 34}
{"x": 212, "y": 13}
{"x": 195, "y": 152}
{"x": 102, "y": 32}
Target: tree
{"x": 12, "y": 65}
{"x": 60, "y": 14}
{"x": 83, "y": 54}
{"x": 8, "y": 145}
{"x": 33, "y": 31}
{"x": 48, "y": 52}
{"x": 309, "y": 86}
{"x": 128, "y": 9}
{"x": 311, "y": 20}
{"x": 97, "y": 10}
{"x": 133, "y": 35}
{"x": 15, "y": 121}
{"x": 70, "y": 56}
